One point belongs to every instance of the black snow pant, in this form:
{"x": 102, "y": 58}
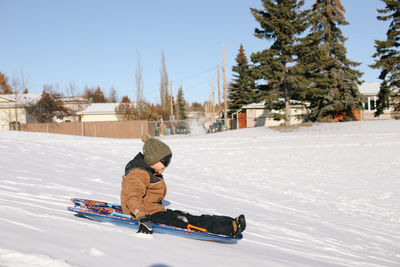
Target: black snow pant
{"x": 221, "y": 225}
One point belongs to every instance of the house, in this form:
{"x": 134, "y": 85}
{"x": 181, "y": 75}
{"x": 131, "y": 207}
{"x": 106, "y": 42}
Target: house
{"x": 256, "y": 114}
{"x": 100, "y": 112}
{"x": 13, "y": 109}
{"x": 369, "y": 91}
{"x": 75, "y": 104}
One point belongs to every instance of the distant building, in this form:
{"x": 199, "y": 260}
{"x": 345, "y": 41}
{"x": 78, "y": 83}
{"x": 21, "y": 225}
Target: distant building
{"x": 370, "y": 92}
{"x": 256, "y": 114}
{"x": 100, "y": 112}
{"x": 74, "y": 104}
{"x": 13, "y": 109}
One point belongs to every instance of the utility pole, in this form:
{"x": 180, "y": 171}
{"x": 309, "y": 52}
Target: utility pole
{"x": 172, "y": 108}
{"x": 209, "y": 109}
{"x": 213, "y": 101}
{"x": 225, "y": 96}
{"x": 219, "y": 96}
{"x": 206, "y": 109}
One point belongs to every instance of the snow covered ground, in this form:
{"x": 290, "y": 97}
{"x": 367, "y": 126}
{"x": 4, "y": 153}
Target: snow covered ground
{"x": 327, "y": 195}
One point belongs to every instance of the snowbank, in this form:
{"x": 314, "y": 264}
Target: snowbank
{"x": 327, "y": 195}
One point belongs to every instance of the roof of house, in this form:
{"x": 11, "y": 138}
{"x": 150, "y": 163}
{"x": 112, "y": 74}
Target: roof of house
{"x": 29, "y": 99}
{"x": 20, "y": 99}
{"x": 369, "y": 88}
{"x": 68, "y": 99}
{"x": 254, "y": 105}
{"x": 261, "y": 105}
{"x": 100, "y": 108}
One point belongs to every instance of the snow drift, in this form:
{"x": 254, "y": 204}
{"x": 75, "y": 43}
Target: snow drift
{"x": 327, "y": 195}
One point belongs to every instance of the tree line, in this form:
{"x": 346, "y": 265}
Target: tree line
{"x": 51, "y": 102}
{"x": 307, "y": 61}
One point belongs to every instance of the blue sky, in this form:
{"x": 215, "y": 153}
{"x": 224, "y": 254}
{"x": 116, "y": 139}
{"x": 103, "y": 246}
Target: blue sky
{"x": 97, "y": 42}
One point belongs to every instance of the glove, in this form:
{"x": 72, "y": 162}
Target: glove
{"x": 145, "y": 225}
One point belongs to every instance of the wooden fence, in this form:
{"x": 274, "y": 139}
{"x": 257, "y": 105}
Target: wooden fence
{"x": 120, "y": 129}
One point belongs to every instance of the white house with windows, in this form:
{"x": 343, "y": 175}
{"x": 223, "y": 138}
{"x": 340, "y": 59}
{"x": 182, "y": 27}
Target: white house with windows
{"x": 370, "y": 95}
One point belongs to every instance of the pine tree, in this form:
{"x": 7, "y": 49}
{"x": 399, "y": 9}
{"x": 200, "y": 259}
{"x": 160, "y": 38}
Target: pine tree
{"x": 95, "y": 95}
{"x": 281, "y": 21}
{"x": 388, "y": 58}
{"x": 242, "y": 88}
{"x": 98, "y": 96}
{"x": 180, "y": 108}
{"x": 333, "y": 88}
{"x": 125, "y": 100}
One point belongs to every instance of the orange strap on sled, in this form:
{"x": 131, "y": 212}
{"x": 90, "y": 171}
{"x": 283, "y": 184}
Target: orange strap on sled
{"x": 192, "y": 227}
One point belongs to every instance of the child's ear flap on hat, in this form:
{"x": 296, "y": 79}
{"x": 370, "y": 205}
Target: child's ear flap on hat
{"x": 145, "y": 137}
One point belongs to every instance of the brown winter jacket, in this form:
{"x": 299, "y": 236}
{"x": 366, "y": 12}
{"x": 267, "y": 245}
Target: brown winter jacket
{"x": 142, "y": 191}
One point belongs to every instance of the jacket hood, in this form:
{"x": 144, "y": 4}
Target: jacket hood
{"x": 138, "y": 162}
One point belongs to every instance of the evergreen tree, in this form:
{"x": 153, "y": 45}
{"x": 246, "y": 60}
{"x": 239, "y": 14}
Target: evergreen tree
{"x": 242, "y": 88}
{"x": 98, "y": 96}
{"x": 333, "y": 88}
{"x": 95, "y": 95}
{"x": 388, "y": 58}
{"x": 281, "y": 21}
{"x": 180, "y": 108}
{"x": 125, "y": 99}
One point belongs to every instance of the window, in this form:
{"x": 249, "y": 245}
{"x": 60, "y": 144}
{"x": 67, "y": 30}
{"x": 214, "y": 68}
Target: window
{"x": 372, "y": 103}
{"x": 366, "y": 104}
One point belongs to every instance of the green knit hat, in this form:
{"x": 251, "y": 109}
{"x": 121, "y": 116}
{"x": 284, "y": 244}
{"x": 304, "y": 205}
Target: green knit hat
{"x": 154, "y": 149}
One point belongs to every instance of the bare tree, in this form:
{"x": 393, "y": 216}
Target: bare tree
{"x": 164, "y": 84}
{"x": 19, "y": 85}
{"x": 71, "y": 89}
{"x": 113, "y": 96}
{"x": 139, "y": 85}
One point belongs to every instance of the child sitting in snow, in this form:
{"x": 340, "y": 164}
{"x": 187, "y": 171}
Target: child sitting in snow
{"x": 143, "y": 189}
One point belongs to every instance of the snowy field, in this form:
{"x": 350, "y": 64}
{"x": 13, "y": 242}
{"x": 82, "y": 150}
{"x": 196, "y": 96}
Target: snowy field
{"x": 327, "y": 195}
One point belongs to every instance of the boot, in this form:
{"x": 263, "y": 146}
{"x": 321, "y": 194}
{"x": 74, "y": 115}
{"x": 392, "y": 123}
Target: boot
{"x": 240, "y": 223}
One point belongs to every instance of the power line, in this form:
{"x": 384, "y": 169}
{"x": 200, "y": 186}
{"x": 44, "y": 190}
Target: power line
{"x": 199, "y": 73}
{"x": 187, "y": 77}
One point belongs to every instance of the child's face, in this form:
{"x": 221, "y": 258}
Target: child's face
{"x": 158, "y": 167}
